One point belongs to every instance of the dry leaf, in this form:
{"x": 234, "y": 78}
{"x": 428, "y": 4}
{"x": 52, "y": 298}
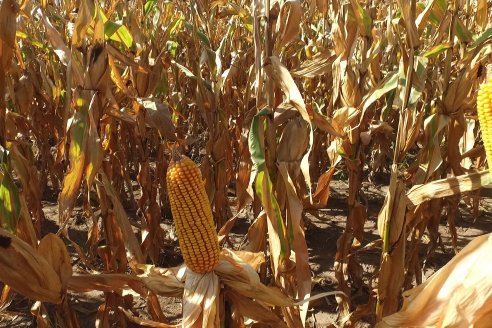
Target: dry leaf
{"x": 458, "y": 295}
{"x": 303, "y": 271}
{"x": 84, "y": 18}
{"x": 145, "y": 322}
{"x": 289, "y": 22}
{"x": 105, "y": 282}
{"x": 448, "y": 187}
{"x": 26, "y": 271}
{"x": 157, "y": 116}
{"x": 319, "y": 65}
{"x": 54, "y": 251}
{"x": 253, "y": 310}
{"x": 129, "y": 238}
{"x": 200, "y": 300}
{"x": 391, "y": 227}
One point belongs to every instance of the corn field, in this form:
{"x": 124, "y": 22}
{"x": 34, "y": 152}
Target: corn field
{"x": 232, "y": 163}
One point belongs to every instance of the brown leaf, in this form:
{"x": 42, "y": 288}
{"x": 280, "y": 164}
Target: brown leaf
{"x": 458, "y": 295}
{"x": 253, "y": 310}
{"x": 323, "y": 192}
{"x": 319, "y": 65}
{"x": 326, "y": 124}
{"x": 482, "y": 14}
{"x": 105, "y": 282}
{"x": 280, "y": 74}
{"x": 97, "y": 68}
{"x": 129, "y": 238}
{"x": 145, "y": 322}
{"x": 289, "y": 22}
{"x": 393, "y": 210}
{"x": 8, "y": 15}
{"x": 157, "y": 116}
{"x": 423, "y": 17}
{"x": 95, "y": 156}
{"x": 303, "y": 271}
{"x": 85, "y": 14}
{"x": 254, "y": 259}
{"x": 241, "y": 277}
{"x": 24, "y": 94}
{"x": 344, "y": 117}
{"x": 257, "y": 234}
{"x": 54, "y": 251}
{"x": 448, "y": 187}
{"x": 409, "y": 20}
{"x": 26, "y": 271}
{"x": 458, "y": 90}
{"x": 293, "y": 143}
{"x": 391, "y": 227}
{"x": 60, "y": 48}
{"x": 162, "y": 281}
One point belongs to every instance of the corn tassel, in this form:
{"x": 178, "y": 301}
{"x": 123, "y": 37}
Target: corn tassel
{"x": 192, "y": 215}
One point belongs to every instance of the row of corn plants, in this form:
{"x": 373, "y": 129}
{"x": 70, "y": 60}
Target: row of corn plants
{"x": 110, "y": 105}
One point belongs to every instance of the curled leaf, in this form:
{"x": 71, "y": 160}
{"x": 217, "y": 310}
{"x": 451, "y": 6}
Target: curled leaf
{"x": 289, "y": 22}
{"x": 458, "y": 295}
{"x": 26, "y": 271}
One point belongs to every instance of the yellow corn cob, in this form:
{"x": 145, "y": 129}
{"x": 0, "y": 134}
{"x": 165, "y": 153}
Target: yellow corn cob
{"x": 192, "y": 215}
{"x": 484, "y": 110}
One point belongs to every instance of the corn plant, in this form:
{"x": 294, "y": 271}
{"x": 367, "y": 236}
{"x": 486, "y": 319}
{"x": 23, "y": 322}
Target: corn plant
{"x": 129, "y": 114}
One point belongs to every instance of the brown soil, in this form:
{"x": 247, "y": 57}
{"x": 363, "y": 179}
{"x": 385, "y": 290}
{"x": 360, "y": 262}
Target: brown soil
{"x": 323, "y": 227}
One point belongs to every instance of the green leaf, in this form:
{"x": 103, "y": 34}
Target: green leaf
{"x": 201, "y": 36}
{"x": 21, "y": 34}
{"x": 183, "y": 69}
{"x": 118, "y": 32}
{"x": 264, "y": 189}
{"x": 434, "y": 52}
{"x": 437, "y": 12}
{"x": 363, "y": 18}
{"x": 421, "y": 71}
{"x": 9, "y": 201}
{"x": 387, "y": 85}
{"x": 255, "y": 147}
{"x": 462, "y": 32}
{"x": 483, "y": 37}
{"x": 172, "y": 28}
{"x": 149, "y": 5}
{"x": 172, "y": 47}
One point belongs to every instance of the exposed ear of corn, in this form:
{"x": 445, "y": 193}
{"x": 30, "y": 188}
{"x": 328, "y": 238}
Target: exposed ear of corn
{"x": 484, "y": 110}
{"x": 192, "y": 215}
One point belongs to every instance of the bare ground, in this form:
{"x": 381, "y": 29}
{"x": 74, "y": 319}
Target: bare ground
{"x": 323, "y": 227}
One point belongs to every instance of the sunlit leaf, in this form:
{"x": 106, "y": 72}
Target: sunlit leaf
{"x": 85, "y": 16}
{"x": 77, "y": 155}
{"x": 434, "y": 52}
{"x": 486, "y": 35}
{"x": 118, "y": 32}
{"x": 363, "y": 19}
{"x": 183, "y": 69}
{"x": 9, "y": 201}
{"x": 148, "y": 6}
{"x": 26, "y": 271}
{"x": 264, "y": 188}
{"x": 388, "y": 84}
{"x": 458, "y": 295}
